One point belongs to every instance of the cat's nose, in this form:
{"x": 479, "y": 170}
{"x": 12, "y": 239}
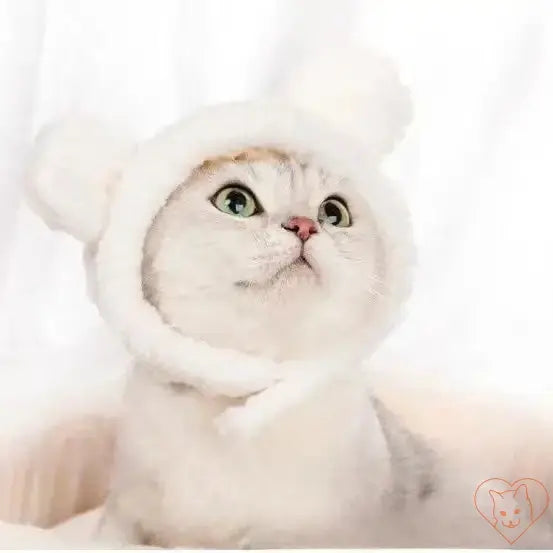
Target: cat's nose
{"x": 304, "y": 227}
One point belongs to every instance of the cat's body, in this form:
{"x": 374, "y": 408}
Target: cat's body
{"x": 313, "y": 479}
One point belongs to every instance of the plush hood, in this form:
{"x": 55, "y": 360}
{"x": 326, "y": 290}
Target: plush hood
{"x": 343, "y": 110}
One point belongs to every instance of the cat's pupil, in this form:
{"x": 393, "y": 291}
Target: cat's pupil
{"x": 236, "y": 201}
{"x": 333, "y": 213}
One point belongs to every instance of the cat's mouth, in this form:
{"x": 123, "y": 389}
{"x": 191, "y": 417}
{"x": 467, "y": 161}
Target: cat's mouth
{"x": 512, "y": 523}
{"x": 298, "y": 265}
{"x": 302, "y": 261}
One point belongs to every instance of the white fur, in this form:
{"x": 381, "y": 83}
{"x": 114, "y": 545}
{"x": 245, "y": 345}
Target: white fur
{"x": 313, "y": 479}
{"x": 74, "y": 163}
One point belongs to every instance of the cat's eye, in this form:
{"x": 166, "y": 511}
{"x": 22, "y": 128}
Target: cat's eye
{"x": 236, "y": 199}
{"x": 517, "y": 511}
{"x": 334, "y": 211}
{"x": 503, "y": 513}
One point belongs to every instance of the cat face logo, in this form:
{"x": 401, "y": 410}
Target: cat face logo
{"x": 511, "y": 508}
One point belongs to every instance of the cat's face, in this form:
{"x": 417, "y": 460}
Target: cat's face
{"x": 221, "y": 265}
{"x": 511, "y": 507}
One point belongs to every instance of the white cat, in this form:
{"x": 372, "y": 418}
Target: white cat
{"x": 262, "y": 254}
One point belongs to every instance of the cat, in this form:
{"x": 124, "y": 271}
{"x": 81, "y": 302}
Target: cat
{"x": 512, "y": 511}
{"x": 267, "y": 255}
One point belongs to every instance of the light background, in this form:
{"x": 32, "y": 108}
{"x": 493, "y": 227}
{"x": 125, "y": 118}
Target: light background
{"x": 476, "y": 166}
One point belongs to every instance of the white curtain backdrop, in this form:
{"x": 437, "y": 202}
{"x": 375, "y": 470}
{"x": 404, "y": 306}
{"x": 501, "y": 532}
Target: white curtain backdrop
{"x": 476, "y": 165}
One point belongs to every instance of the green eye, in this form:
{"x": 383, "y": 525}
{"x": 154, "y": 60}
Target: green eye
{"x": 334, "y": 211}
{"x": 236, "y": 199}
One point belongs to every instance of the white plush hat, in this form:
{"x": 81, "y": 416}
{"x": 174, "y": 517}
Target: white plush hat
{"x": 344, "y": 110}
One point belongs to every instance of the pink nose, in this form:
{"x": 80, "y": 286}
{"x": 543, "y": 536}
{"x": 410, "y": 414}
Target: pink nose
{"x": 304, "y": 227}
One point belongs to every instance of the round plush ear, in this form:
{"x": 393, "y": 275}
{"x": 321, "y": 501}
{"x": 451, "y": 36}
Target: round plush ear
{"x": 356, "y": 90}
{"x": 72, "y": 166}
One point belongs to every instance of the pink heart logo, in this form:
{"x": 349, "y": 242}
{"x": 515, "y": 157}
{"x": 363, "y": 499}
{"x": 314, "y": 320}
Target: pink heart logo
{"x": 511, "y": 508}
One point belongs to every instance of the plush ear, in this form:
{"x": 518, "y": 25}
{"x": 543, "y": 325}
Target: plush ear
{"x": 72, "y": 166}
{"x": 356, "y": 90}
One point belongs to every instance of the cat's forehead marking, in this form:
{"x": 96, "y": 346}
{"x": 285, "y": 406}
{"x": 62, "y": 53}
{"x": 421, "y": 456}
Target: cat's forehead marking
{"x": 243, "y": 156}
